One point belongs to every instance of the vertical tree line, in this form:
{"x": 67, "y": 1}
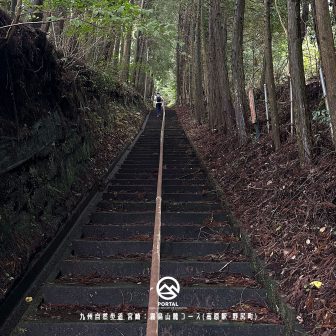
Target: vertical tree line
{"x": 211, "y": 63}
{"x": 238, "y": 75}
{"x": 301, "y": 112}
{"x": 223, "y": 48}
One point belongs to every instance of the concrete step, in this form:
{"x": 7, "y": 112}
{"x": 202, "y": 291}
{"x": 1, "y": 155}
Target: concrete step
{"x": 108, "y": 205}
{"x": 197, "y": 189}
{"x": 166, "y": 182}
{"x": 203, "y": 218}
{"x": 125, "y": 232}
{"x": 138, "y": 196}
{"x": 139, "y": 329}
{"x": 123, "y": 268}
{"x": 137, "y": 295}
{"x": 102, "y": 249}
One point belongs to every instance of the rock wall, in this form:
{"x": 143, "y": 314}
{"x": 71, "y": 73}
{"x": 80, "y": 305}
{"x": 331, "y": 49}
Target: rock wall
{"x": 61, "y": 126}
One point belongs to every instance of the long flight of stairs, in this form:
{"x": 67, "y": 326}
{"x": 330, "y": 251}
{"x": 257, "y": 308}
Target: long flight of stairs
{"x": 104, "y": 276}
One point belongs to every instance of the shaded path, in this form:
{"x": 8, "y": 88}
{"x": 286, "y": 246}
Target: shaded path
{"x": 108, "y": 262}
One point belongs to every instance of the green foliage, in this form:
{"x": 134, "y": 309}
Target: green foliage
{"x": 89, "y": 15}
{"x": 101, "y": 17}
{"x": 158, "y": 23}
{"x": 311, "y": 54}
{"x": 167, "y": 88}
{"x": 162, "y": 60}
{"x": 321, "y": 116}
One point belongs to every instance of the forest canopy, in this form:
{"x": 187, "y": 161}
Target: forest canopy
{"x": 207, "y": 55}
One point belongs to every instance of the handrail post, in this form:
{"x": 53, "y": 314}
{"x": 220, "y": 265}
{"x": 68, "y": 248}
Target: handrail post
{"x": 153, "y": 302}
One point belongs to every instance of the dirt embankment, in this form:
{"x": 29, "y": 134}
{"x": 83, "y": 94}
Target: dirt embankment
{"x": 61, "y": 126}
{"x": 288, "y": 211}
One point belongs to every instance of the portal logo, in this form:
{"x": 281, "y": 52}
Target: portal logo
{"x": 168, "y": 288}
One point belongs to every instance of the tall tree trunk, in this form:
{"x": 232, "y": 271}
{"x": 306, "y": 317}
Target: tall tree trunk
{"x": 263, "y": 75}
{"x": 116, "y": 52}
{"x": 179, "y": 77}
{"x": 328, "y": 56}
{"x": 214, "y": 102}
{"x": 127, "y": 53}
{"x": 137, "y": 58}
{"x": 270, "y": 76}
{"x": 208, "y": 76}
{"x": 205, "y": 78}
{"x": 238, "y": 76}
{"x": 127, "y": 57}
{"x": 140, "y": 63}
{"x": 183, "y": 52}
{"x": 192, "y": 71}
{"x": 199, "y": 98}
{"x": 224, "y": 100}
{"x": 109, "y": 47}
{"x": 138, "y": 74}
{"x": 146, "y": 73}
{"x": 302, "y": 118}
{"x": 122, "y": 48}
{"x": 304, "y": 18}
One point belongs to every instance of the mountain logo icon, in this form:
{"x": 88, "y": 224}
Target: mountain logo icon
{"x": 168, "y": 288}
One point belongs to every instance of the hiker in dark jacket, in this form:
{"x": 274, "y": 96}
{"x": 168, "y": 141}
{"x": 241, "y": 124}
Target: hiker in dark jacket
{"x": 158, "y": 104}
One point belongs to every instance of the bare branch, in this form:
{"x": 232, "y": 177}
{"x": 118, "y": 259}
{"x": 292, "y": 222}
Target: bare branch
{"x": 15, "y": 24}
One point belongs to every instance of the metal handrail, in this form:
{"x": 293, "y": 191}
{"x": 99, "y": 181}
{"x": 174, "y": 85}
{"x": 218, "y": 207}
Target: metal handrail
{"x": 153, "y": 302}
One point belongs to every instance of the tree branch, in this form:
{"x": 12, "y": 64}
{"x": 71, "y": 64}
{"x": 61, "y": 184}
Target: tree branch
{"x": 280, "y": 18}
{"x": 15, "y": 24}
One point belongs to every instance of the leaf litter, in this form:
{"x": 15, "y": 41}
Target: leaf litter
{"x": 287, "y": 210}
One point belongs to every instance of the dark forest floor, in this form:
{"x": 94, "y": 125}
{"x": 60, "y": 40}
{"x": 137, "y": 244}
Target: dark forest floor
{"x": 288, "y": 211}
